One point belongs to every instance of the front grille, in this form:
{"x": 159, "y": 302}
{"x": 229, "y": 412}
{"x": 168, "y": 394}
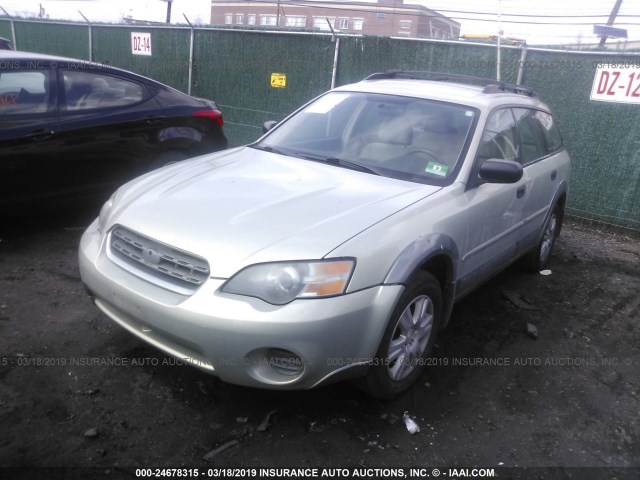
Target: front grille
{"x": 149, "y": 258}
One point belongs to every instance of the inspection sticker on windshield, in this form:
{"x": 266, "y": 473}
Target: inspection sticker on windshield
{"x": 436, "y": 168}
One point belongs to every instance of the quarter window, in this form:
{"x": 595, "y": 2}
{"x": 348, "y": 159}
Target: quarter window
{"x": 24, "y": 92}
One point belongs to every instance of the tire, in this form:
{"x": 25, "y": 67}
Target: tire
{"x": 539, "y": 258}
{"x": 408, "y": 339}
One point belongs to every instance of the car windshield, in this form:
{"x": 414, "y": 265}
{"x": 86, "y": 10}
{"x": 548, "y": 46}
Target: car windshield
{"x": 401, "y": 137}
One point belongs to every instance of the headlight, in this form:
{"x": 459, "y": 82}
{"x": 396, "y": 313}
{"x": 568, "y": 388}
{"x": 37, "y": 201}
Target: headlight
{"x": 104, "y": 213}
{"x": 281, "y": 282}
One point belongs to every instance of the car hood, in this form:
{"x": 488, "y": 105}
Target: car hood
{"x": 245, "y": 206}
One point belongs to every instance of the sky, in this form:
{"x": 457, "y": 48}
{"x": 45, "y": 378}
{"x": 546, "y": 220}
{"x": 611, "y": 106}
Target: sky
{"x": 538, "y": 21}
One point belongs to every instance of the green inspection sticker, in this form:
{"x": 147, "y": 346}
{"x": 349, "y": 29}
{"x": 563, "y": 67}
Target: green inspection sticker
{"x": 437, "y": 168}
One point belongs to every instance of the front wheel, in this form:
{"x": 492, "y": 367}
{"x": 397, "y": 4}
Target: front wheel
{"x": 408, "y": 339}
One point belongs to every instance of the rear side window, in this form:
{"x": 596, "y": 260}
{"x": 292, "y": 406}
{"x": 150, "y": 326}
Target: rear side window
{"x": 550, "y": 131}
{"x": 539, "y": 135}
{"x": 23, "y": 92}
{"x": 84, "y": 91}
{"x": 532, "y": 142}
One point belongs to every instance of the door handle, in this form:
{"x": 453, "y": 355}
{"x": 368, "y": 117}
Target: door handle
{"x": 520, "y": 192}
{"x": 153, "y": 120}
{"x": 554, "y": 174}
{"x": 39, "y": 135}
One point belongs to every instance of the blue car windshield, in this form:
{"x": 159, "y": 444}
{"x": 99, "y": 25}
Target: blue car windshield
{"x": 401, "y": 137}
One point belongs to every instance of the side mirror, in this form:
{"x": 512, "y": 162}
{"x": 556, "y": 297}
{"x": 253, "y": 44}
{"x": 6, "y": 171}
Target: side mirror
{"x": 268, "y": 125}
{"x": 494, "y": 170}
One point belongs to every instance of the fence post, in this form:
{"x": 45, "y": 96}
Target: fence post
{"x": 90, "y": 36}
{"x": 334, "y": 71}
{"x": 190, "y": 54}
{"x": 523, "y": 58}
{"x": 13, "y": 28}
{"x": 336, "y": 39}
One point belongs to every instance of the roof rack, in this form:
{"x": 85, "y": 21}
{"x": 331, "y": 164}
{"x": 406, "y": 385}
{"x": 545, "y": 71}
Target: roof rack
{"x": 490, "y": 85}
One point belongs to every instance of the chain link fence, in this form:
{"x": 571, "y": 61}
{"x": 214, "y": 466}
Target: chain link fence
{"x": 236, "y": 68}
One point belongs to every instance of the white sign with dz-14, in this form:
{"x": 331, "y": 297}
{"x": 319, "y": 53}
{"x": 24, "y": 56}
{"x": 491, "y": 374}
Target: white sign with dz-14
{"x": 140, "y": 43}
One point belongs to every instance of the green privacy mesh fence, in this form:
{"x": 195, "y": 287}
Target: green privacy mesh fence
{"x": 236, "y": 68}
{"x": 360, "y": 56}
{"x": 69, "y": 40}
{"x": 169, "y": 62}
{"x": 5, "y": 30}
{"x": 603, "y": 138}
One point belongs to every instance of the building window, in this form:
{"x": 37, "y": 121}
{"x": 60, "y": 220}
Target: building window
{"x": 239, "y": 19}
{"x": 268, "y": 20}
{"x": 405, "y": 24}
{"x": 343, "y": 24}
{"x": 321, "y": 23}
{"x": 296, "y": 21}
{"x": 228, "y": 18}
{"x": 357, "y": 23}
{"x": 251, "y": 19}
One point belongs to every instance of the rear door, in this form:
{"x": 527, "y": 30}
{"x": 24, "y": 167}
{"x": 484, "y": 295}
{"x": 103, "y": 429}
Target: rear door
{"x": 106, "y": 132}
{"x": 28, "y": 125}
{"x": 539, "y": 144}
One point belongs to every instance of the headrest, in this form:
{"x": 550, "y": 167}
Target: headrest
{"x": 396, "y": 132}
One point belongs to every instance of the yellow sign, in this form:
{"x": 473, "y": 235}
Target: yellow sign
{"x": 278, "y": 80}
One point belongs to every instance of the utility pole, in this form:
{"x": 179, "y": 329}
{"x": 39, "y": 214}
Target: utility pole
{"x": 169, "y": 2}
{"x": 498, "y": 59}
{"x": 612, "y": 18}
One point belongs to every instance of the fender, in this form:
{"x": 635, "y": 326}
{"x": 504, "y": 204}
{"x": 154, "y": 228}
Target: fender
{"x": 420, "y": 252}
{"x": 562, "y": 189}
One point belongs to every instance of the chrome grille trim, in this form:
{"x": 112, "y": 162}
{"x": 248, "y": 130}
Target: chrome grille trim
{"x": 146, "y": 257}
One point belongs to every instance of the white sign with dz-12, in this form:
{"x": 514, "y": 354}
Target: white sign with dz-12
{"x": 618, "y": 83}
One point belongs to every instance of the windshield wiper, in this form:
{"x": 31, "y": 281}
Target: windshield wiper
{"x": 270, "y": 149}
{"x": 340, "y": 162}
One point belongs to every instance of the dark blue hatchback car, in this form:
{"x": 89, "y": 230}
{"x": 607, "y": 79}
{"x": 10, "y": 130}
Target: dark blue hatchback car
{"x": 72, "y": 129}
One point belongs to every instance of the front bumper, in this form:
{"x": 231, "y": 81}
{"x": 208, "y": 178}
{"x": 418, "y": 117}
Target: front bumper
{"x": 235, "y": 337}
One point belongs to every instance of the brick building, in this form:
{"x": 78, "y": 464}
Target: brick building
{"x": 384, "y": 18}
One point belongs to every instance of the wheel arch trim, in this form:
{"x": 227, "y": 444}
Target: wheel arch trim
{"x": 418, "y": 254}
{"x": 561, "y": 191}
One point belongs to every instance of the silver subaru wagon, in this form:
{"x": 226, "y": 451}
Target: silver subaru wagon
{"x": 336, "y": 245}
